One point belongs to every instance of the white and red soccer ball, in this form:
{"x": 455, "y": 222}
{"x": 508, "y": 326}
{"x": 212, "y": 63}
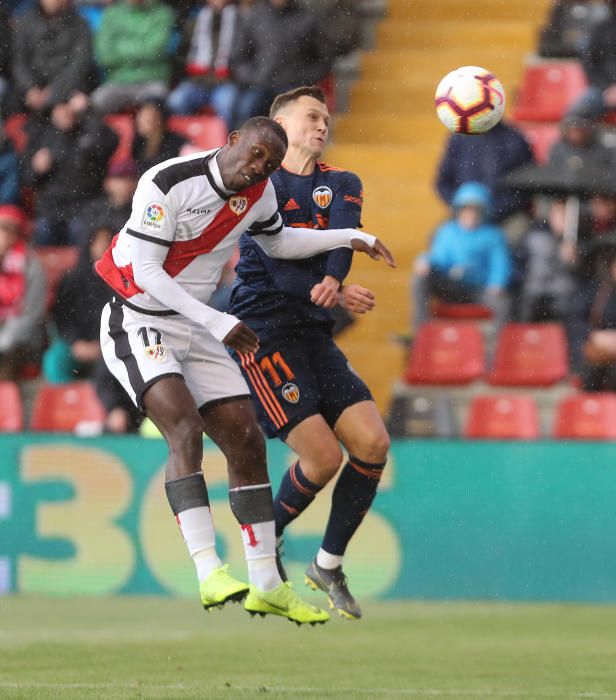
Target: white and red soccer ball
{"x": 470, "y": 100}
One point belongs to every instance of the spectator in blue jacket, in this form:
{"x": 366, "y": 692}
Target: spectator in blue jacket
{"x": 9, "y": 171}
{"x": 469, "y": 260}
{"x": 486, "y": 159}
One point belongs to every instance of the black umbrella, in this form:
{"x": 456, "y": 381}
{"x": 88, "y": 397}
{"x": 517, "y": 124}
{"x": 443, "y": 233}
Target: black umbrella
{"x": 580, "y": 179}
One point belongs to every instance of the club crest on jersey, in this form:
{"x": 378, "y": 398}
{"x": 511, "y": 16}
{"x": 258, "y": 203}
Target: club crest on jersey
{"x": 157, "y": 353}
{"x": 322, "y": 196}
{"x": 154, "y": 216}
{"x": 238, "y": 204}
{"x": 290, "y": 392}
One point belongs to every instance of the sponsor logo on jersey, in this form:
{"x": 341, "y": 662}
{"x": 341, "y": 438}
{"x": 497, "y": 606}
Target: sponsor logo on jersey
{"x": 198, "y": 211}
{"x": 290, "y": 392}
{"x": 154, "y": 216}
{"x": 238, "y": 204}
{"x": 322, "y": 196}
{"x": 291, "y": 205}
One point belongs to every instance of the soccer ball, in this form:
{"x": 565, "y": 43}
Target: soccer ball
{"x": 470, "y": 100}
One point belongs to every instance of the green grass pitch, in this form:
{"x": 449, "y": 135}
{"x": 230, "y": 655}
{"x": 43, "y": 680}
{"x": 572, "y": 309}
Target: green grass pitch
{"x": 162, "y": 648}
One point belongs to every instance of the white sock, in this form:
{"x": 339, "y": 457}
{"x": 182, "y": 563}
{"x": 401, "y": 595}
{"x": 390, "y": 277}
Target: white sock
{"x": 260, "y": 547}
{"x": 197, "y": 529}
{"x": 328, "y": 561}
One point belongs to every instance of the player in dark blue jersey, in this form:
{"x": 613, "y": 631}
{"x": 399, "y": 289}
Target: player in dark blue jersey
{"x": 305, "y": 390}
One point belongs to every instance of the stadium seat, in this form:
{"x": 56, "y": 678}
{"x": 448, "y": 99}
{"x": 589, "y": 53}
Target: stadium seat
{"x": 541, "y": 136}
{"x": 548, "y": 89}
{"x": 502, "y": 418}
{"x": 56, "y": 261}
{"x": 124, "y": 127}
{"x": 204, "y": 131}
{"x": 446, "y": 352}
{"x": 422, "y": 415}
{"x": 11, "y": 408}
{"x": 586, "y": 417}
{"x": 473, "y": 312}
{"x": 530, "y": 354}
{"x": 15, "y": 130}
{"x": 63, "y": 407}
{"x": 328, "y": 85}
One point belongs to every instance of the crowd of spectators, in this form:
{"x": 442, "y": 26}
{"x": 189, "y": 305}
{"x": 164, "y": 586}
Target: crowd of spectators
{"x": 559, "y": 232}
{"x": 65, "y": 65}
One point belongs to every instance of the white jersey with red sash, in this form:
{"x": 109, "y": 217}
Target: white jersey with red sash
{"x": 182, "y": 204}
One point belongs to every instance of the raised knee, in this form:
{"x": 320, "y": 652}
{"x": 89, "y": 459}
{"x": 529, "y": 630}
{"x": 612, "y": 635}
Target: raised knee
{"x": 328, "y": 460}
{"x": 373, "y": 447}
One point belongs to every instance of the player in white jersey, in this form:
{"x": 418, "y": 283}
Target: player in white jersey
{"x": 165, "y": 345}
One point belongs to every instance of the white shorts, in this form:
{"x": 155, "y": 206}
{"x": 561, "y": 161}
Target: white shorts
{"x": 140, "y": 349}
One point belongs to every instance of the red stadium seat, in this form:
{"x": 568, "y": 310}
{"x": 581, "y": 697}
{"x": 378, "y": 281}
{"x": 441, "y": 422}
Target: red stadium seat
{"x": 541, "y": 136}
{"x": 62, "y": 407}
{"x": 55, "y": 262}
{"x": 328, "y": 85}
{"x": 472, "y": 312}
{"x": 204, "y": 131}
{"x": 124, "y": 126}
{"x": 446, "y": 352}
{"x": 548, "y": 89}
{"x": 530, "y": 354}
{"x": 586, "y": 417}
{"x": 11, "y": 409}
{"x": 502, "y": 418}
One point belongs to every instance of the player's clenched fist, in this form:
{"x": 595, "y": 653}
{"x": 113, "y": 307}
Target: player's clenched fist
{"x": 325, "y": 293}
{"x": 242, "y": 339}
{"x": 357, "y": 299}
{"x": 376, "y": 252}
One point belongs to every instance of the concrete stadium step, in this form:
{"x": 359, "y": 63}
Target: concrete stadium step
{"x": 464, "y": 11}
{"x": 401, "y": 161}
{"x": 389, "y": 128}
{"x": 400, "y": 63}
{"x": 376, "y": 361}
{"x": 393, "y": 34}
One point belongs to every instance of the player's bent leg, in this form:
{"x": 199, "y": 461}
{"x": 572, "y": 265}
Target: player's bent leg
{"x": 171, "y": 407}
{"x": 361, "y": 430}
{"x": 319, "y": 453}
{"x": 319, "y": 459}
{"x": 233, "y": 427}
{"x": 316, "y": 445}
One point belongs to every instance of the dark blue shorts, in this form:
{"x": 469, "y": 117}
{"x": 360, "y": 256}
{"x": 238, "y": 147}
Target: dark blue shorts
{"x": 299, "y": 375}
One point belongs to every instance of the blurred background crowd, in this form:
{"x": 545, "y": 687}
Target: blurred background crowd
{"x": 94, "y": 92}
{"x": 532, "y": 233}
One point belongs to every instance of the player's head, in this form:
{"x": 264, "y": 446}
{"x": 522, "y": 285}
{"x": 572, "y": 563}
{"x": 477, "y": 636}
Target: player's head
{"x": 253, "y": 153}
{"x": 304, "y": 115}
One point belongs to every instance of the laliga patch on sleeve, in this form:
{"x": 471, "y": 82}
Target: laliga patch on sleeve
{"x": 154, "y": 216}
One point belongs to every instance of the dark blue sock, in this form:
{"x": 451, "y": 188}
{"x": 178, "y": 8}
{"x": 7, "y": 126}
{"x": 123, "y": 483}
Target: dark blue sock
{"x": 353, "y": 495}
{"x": 295, "y": 494}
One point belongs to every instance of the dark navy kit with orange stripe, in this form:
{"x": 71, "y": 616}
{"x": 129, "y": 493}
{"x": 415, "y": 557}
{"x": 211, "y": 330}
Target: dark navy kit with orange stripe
{"x": 298, "y": 370}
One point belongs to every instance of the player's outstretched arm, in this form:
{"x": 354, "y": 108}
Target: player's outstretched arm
{"x": 296, "y": 243}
